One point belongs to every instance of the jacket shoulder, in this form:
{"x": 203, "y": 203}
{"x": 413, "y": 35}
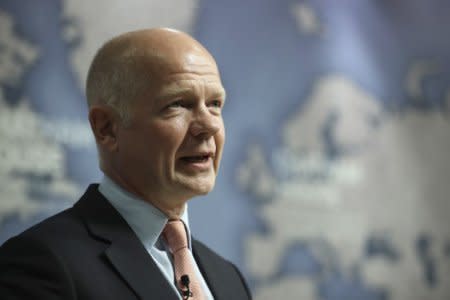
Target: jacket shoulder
{"x": 29, "y": 259}
{"x": 58, "y": 231}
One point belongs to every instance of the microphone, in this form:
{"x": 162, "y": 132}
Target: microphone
{"x": 185, "y": 283}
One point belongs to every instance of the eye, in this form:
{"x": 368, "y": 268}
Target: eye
{"x": 175, "y": 104}
{"x": 216, "y": 103}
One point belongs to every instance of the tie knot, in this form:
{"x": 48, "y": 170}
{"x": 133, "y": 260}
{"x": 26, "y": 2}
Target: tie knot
{"x": 175, "y": 235}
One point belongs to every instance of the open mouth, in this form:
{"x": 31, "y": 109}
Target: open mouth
{"x": 196, "y": 159}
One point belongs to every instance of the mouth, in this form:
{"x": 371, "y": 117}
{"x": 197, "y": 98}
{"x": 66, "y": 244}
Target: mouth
{"x": 198, "y": 161}
{"x": 196, "y": 158}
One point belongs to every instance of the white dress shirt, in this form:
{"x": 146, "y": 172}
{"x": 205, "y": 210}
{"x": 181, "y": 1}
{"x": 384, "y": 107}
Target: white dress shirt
{"x": 148, "y": 223}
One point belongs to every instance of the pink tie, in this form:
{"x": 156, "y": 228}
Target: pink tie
{"x": 176, "y": 237}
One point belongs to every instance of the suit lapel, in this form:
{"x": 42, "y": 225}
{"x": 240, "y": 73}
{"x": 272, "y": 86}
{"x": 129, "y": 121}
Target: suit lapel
{"x": 210, "y": 270}
{"x": 125, "y": 252}
{"x": 138, "y": 269}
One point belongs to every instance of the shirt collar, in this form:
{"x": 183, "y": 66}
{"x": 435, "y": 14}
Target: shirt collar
{"x": 146, "y": 220}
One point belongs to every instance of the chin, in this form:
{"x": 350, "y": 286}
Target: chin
{"x": 198, "y": 185}
{"x": 201, "y": 188}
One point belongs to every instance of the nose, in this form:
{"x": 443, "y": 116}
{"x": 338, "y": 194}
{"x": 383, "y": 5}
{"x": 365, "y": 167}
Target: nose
{"x": 205, "y": 124}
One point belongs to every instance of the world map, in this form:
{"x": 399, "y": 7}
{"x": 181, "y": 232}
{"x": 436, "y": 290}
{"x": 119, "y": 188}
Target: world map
{"x": 334, "y": 182}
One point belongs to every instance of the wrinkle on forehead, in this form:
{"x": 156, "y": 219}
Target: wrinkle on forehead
{"x": 210, "y": 88}
{"x": 189, "y": 62}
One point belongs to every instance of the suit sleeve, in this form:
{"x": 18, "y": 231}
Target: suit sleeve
{"x": 30, "y": 270}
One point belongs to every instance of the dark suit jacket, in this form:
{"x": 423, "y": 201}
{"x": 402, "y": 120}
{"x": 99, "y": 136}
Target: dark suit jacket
{"x": 89, "y": 252}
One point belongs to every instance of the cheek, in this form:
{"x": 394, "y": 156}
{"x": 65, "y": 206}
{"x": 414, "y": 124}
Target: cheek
{"x": 220, "y": 137}
{"x": 220, "y": 141}
{"x": 169, "y": 136}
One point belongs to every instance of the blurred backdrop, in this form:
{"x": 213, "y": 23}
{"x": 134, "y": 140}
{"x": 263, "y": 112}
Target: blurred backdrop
{"x": 335, "y": 180}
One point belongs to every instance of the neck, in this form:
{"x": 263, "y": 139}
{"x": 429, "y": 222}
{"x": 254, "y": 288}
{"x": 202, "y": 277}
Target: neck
{"x": 172, "y": 209}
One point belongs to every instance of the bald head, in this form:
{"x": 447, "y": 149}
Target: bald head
{"x": 126, "y": 64}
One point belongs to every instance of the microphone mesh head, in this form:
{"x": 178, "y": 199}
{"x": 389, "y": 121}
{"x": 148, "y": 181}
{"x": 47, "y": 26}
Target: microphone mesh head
{"x": 185, "y": 279}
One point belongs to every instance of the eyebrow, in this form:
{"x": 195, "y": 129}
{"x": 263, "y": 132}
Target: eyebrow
{"x": 172, "y": 91}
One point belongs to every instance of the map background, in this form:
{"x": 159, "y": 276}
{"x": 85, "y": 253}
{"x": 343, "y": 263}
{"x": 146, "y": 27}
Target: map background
{"x": 273, "y": 56}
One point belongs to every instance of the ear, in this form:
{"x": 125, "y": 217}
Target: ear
{"x": 104, "y": 124}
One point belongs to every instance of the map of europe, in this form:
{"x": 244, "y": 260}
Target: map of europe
{"x": 334, "y": 183}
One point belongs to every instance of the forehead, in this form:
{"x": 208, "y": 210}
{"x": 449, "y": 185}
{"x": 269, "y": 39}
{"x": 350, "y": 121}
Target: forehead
{"x": 182, "y": 70}
{"x": 189, "y": 73}
{"x": 206, "y": 86}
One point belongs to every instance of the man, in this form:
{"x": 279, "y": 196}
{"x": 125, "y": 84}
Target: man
{"x": 155, "y": 100}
